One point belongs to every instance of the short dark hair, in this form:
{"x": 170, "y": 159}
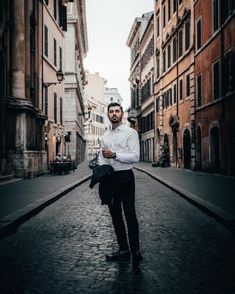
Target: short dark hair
{"x": 112, "y": 104}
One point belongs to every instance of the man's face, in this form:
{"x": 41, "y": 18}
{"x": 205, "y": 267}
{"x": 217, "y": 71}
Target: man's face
{"x": 115, "y": 114}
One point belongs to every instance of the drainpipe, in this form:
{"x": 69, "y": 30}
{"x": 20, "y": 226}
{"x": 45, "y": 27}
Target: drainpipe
{"x": 177, "y": 87}
{"x": 42, "y": 31}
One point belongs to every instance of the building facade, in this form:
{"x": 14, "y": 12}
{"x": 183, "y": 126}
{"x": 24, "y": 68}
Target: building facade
{"x": 147, "y": 144}
{"x": 76, "y": 46}
{"x": 95, "y": 111}
{"x": 22, "y": 123}
{"x": 174, "y": 81}
{"x": 194, "y": 111}
{"x": 112, "y": 95}
{"x": 133, "y": 42}
{"x": 54, "y": 25}
{"x": 215, "y": 85}
{"x": 31, "y": 55}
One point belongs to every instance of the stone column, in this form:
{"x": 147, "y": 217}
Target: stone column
{"x": 18, "y": 97}
{"x": 18, "y": 50}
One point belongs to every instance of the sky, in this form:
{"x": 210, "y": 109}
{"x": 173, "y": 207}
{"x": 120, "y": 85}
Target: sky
{"x": 108, "y": 26}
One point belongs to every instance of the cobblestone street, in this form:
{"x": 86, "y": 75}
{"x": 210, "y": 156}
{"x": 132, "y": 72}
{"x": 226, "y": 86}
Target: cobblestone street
{"x": 62, "y": 249}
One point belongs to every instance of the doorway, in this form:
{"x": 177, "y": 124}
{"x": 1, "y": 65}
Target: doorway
{"x": 187, "y": 148}
{"x": 215, "y": 149}
{"x": 199, "y": 149}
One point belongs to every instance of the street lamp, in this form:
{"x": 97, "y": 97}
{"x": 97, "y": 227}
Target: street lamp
{"x": 60, "y": 78}
{"x": 89, "y": 108}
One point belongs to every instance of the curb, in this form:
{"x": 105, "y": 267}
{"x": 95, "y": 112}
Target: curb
{"x": 219, "y": 214}
{"x": 10, "y": 223}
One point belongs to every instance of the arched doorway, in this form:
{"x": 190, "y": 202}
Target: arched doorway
{"x": 199, "y": 149}
{"x": 215, "y": 149}
{"x": 187, "y": 148}
{"x": 174, "y": 144}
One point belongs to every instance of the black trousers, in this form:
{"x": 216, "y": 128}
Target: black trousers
{"x": 124, "y": 201}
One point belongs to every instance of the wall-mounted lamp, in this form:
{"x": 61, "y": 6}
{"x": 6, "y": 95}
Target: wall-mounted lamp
{"x": 58, "y": 137}
{"x": 89, "y": 112}
{"x": 60, "y": 78}
{"x": 46, "y": 137}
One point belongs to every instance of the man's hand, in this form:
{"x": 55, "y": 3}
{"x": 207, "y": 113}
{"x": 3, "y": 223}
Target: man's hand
{"x": 107, "y": 153}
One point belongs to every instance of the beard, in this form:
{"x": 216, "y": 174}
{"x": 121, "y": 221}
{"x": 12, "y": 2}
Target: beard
{"x": 115, "y": 119}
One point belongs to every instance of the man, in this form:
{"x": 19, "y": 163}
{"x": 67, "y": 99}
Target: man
{"x": 120, "y": 149}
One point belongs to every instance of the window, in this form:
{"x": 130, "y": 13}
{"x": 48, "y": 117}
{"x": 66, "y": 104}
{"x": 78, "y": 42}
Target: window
{"x": 158, "y": 67}
{"x": 169, "y": 55}
{"x": 187, "y": 34}
{"x": 55, "y": 107}
{"x": 163, "y": 101}
{"x": 157, "y": 104}
{"x": 170, "y": 96}
{"x": 180, "y": 42}
{"x": 55, "y": 9}
{"x": 216, "y": 79}
{"x": 181, "y": 89}
{"x": 158, "y": 26}
{"x": 174, "y": 49}
{"x": 164, "y": 16}
{"x": 216, "y": 15}
{"x": 61, "y": 111}
{"x": 199, "y": 33}
{"x": 164, "y": 60}
{"x": 175, "y": 94}
{"x": 46, "y": 40}
{"x": 199, "y": 90}
{"x": 55, "y": 52}
{"x": 228, "y": 71}
{"x": 174, "y": 5}
{"x": 152, "y": 84}
{"x": 61, "y": 59}
{"x": 169, "y": 9}
{"x": 227, "y": 9}
{"x": 188, "y": 85}
{"x": 46, "y": 101}
{"x": 167, "y": 98}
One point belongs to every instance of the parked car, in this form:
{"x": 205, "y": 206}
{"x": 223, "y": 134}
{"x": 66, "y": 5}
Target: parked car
{"x": 94, "y": 162}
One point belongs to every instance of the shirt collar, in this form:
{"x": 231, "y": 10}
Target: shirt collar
{"x": 118, "y": 128}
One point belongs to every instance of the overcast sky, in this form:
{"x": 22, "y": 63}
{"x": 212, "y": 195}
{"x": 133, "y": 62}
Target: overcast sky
{"x": 109, "y": 23}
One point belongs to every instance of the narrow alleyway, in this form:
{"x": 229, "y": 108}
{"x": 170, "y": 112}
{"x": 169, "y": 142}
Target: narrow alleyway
{"x": 62, "y": 249}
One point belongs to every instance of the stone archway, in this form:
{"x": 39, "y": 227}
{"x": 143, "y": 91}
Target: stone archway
{"x": 215, "y": 148}
{"x": 187, "y": 149}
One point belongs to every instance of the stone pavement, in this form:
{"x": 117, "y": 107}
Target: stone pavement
{"x": 62, "y": 249}
{"x": 213, "y": 193}
{"x": 21, "y": 199}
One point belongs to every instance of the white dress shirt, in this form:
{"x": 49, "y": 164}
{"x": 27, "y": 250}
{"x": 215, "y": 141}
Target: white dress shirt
{"x": 124, "y": 141}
